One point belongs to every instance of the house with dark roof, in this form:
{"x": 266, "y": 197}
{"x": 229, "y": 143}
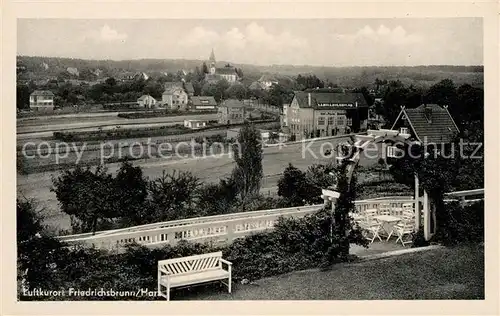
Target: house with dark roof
{"x": 203, "y": 103}
{"x": 231, "y": 111}
{"x": 42, "y": 100}
{"x": 428, "y": 123}
{"x": 188, "y": 87}
{"x": 320, "y": 114}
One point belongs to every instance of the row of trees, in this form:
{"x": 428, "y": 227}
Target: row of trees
{"x": 466, "y": 103}
{"x": 95, "y": 199}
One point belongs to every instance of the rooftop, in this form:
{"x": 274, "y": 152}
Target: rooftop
{"x": 320, "y": 100}
{"x": 45, "y": 93}
{"x": 203, "y": 100}
{"x": 233, "y": 103}
{"x": 431, "y": 123}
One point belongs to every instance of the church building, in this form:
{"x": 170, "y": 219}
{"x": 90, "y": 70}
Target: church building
{"x": 215, "y": 74}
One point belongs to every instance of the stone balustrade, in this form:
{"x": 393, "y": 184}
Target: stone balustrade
{"x": 215, "y": 229}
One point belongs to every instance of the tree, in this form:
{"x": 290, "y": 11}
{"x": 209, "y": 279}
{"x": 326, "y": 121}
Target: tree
{"x": 172, "y": 196}
{"x": 130, "y": 194}
{"x": 293, "y": 186}
{"x": 248, "y": 157}
{"x": 204, "y": 68}
{"x": 37, "y": 252}
{"x": 86, "y": 195}
{"x": 154, "y": 89}
{"x": 220, "y": 90}
{"x": 110, "y": 82}
{"x": 318, "y": 177}
{"x": 23, "y": 96}
{"x": 214, "y": 199}
{"x": 442, "y": 93}
{"x": 469, "y": 106}
{"x": 236, "y": 91}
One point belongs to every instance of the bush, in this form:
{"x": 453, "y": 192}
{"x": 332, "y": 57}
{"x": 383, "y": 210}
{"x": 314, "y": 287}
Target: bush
{"x": 461, "y": 224}
{"x": 418, "y": 239}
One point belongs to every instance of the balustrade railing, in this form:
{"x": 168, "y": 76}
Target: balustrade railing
{"x": 215, "y": 229}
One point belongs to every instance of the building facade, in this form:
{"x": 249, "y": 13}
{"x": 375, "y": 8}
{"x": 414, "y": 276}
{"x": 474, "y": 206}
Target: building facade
{"x": 319, "y": 114}
{"x": 215, "y": 74}
{"x": 267, "y": 81}
{"x": 146, "y": 101}
{"x": 203, "y": 103}
{"x": 231, "y": 112}
{"x": 195, "y": 124}
{"x": 175, "y": 98}
{"x": 42, "y": 100}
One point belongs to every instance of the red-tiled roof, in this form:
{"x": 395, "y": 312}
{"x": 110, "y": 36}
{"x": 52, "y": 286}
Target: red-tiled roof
{"x": 431, "y": 123}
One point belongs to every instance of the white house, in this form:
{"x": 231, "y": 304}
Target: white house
{"x": 146, "y": 101}
{"x": 42, "y": 99}
{"x": 195, "y": 124}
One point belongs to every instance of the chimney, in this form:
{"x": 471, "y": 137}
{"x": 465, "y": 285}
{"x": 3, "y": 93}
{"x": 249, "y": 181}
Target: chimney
{"x": 309, "y": 98}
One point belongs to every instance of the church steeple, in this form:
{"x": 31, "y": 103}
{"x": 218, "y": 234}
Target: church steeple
{"x": 212, "y": 62}
{"x": 212, "y": 57}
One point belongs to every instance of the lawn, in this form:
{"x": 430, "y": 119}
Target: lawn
{"x": 446, "y": 273}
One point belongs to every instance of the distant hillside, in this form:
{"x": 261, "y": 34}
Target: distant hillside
{"x": 43, "y": 67}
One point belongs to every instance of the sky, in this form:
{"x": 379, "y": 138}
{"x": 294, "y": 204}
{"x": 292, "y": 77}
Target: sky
{"x": 316, "y": 42}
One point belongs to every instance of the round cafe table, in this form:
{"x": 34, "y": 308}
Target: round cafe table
{"x": 387, "y": 223}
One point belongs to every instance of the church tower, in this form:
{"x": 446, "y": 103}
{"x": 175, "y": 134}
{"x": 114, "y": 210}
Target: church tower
{"x": 212, "y": 62}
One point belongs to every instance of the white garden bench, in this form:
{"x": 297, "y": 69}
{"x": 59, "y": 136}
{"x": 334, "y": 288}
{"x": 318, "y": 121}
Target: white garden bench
{"x": 192, "y": 270}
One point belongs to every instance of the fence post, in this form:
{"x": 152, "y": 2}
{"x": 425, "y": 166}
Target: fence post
{"x": 427, "y": 218}
{"x": 417, "y": 204}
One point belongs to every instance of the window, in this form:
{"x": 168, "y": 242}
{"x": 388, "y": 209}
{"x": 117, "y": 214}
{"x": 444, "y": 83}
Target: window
{"x": 330, "y": 120}
{"x": 404, "y": 130}
{"x": 341, "y": 120}
{"x": 321, "y": 121}
{"x": 349, "y": 122}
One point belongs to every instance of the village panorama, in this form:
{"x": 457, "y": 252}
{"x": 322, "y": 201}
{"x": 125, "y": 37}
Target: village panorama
{"x": 250, "y": 160}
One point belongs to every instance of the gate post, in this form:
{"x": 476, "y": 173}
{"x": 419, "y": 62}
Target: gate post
{"x": 417, "y": 204}
{"x": 427, "y": 217}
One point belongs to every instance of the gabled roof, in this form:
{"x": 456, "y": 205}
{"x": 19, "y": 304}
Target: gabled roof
{"x": 205, "y": 100}
{"x": 226, "y": 71}
{"x": 319, "y": 100}
{"x": 144, "y": 97}
{"x": 172, "y": 90}
{"x": 168, "y": 85}
{"x": 267, "y": 77}
{"x": 189, "y": 87}
{"x": 431, "y": 123}
{"x": 256, "y": 85}
{"x": 232, "y": 103}
{"x": 45, "y": 93}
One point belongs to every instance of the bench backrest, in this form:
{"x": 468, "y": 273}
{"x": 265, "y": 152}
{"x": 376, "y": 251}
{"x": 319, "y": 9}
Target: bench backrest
{"x": 192, "y": 264}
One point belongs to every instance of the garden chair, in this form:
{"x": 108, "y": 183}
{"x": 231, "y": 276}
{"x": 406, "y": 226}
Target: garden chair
{"x": 384, "y": 209}
{"x": 370, "y": 225}
{"x": 404, "y": 228}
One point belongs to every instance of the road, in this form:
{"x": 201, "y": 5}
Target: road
{"x": 208, "y": 169}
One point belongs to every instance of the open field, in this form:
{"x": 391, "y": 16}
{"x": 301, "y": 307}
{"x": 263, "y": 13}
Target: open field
{"x": 438, "y": 274}
{"x": 209, "y": 169}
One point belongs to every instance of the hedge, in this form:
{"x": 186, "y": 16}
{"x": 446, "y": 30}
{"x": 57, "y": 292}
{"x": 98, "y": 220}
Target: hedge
{"x": 294, "y": 244}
